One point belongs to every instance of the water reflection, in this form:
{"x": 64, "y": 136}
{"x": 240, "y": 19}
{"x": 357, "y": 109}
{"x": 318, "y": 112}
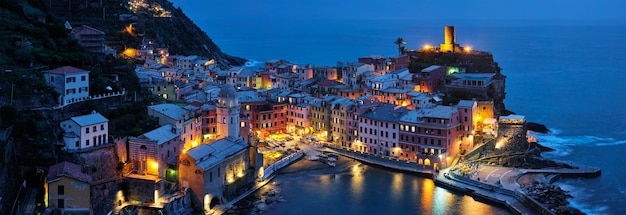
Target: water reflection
{"x": 357, "y": 181}
{"x": 397, "y": 186}
{"x": 364, "y": 189}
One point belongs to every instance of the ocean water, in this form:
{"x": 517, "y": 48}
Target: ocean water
{"x": 570, "y": 78}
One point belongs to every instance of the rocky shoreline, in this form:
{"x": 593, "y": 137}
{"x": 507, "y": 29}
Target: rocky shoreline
{"x": 552, "y": 196}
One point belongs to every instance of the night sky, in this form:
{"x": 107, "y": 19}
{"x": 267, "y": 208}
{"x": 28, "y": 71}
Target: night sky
{"x": 477, "y": 10}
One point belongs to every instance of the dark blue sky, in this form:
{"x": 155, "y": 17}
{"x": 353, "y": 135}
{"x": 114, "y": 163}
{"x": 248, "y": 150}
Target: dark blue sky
{"x": 501, "y": 10}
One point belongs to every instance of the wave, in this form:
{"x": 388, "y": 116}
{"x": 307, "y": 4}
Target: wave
{"x": 563, "y": 144}
{"x": 579, "y": 200}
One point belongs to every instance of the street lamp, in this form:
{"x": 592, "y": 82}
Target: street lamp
{"x": 440, "y": 159}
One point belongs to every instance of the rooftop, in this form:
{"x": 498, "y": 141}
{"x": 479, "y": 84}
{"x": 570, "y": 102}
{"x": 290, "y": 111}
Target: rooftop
{"x": 385, "y": 112}
{"x": 437, "y": 112}
{"x": 162, "y": 134}
{"x": 67, "y": 169}
{"x": 374, "y": 56}
{"x": 89, "y": 119}
{"x": 209, "y": 155}
{"x": 66, "y": 70}
{"x": 171, "y": 110}
{"x": 466, "y": 103}
{"x": 431, "y": 68}
{"x": 473, "y": 76}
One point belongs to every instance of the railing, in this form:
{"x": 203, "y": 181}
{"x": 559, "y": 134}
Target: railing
{"x": 520, "y": 196}
{"x": 95, "y": 97}
{"x": 385, "y": 161}
{"x": 281, "y": 163}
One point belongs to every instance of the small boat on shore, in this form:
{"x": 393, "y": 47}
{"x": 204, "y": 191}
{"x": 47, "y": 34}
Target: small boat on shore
{"x": 312, "y": 157}
{"x": 331, "y": 163}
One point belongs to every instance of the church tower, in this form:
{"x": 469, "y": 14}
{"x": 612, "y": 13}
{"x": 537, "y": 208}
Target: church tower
{"x": 228, "y": 109}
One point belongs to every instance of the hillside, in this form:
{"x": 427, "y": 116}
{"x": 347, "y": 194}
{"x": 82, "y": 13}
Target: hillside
{"x": 34, "y": 32}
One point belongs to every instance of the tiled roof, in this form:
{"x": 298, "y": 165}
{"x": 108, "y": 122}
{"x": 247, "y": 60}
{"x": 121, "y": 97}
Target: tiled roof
{"x": 171, "y": 110}
{"x": 209, "y": 155}
{"x": 85, "y": 29}
{"x": 69, "y": 170}
{"x": 162, "y": 134}
{"x": 66, "y": 70}
{"x": 385, "y": 112}
{"x": 89, "y": 119}
{"x": 466, "y": 103}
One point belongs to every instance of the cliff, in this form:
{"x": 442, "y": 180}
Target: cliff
{"x": 34, "y": 31}
{"x": 474, "y": 62}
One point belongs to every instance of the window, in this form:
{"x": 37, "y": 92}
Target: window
{"x": 83, "y": 78}
{"x": 60, "y": 203}
{"x": 102, "y": 127}
{"x": 87, "y": 142}
{"x": 87, "y": 130}
{"x": 61, "y": 190}
{"x": 94, "y": 129}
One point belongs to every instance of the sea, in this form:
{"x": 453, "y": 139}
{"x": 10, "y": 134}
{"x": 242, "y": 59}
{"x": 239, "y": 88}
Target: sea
{"x": 570, "y": 77}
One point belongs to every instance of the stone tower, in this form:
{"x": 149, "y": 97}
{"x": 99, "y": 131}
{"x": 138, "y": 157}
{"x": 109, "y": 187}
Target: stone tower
{"x": 449, "y": 39}
{"x": 228, "y": 113}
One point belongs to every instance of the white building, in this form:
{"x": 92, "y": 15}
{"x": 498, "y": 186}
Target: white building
{"x": 72, "y": 83}
{"x": 187, "y": 119}
{"x": 85, "y": 131}
{"x": 219, "y": 170}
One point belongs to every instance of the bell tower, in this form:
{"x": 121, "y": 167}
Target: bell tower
{"x": 228, "y": 109}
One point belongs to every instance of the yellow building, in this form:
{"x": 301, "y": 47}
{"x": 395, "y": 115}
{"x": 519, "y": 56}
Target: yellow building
{"x": 68, "y": 188}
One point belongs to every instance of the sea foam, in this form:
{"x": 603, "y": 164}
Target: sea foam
{"x": 563, "y": 144}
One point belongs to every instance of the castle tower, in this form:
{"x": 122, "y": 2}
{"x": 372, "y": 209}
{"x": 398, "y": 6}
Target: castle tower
{"x": 449, "y": 39}
{"x": 228, "y": 109}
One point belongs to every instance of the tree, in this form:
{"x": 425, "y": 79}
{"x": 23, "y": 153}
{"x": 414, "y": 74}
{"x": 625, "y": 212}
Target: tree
{"x": 400, "y": 42}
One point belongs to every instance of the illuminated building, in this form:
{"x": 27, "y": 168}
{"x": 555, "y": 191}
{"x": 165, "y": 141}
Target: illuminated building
{"x": 217, "y": 171}
{"x": 150, "y": 151}
{"x": 339, "y": 114}
{"x": 378, "y": 128}
{"x": 68, "y": 188}
{"x": 430, "y": 78}
{"x": 353, "y": 74}
{"x": 186, "y": 119}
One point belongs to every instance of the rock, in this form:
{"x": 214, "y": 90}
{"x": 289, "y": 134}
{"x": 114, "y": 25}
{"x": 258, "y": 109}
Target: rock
{"x": 261, "y": 206}
{"x": 536, "y": 127}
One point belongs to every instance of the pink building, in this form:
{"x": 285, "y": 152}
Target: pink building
{"x": 400, "y": 62}
{"x": 430, "y": 78}
{"x": 149, "y": 152}
{"x": 467, "y": 111}
{"x": 434, "y": 136}
{"x": 298, "y": 118}
{"x": 90, "y": 38}
{"x": 378, "y": 129}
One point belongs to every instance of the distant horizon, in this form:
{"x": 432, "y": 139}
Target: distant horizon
{"x": 467, "y": 22}
{"x": 478, "y": 12}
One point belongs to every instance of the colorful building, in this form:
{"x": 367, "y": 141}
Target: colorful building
{"x": 68, "y": 188}
{"x": 150, "y": 151}
{"x": 217, "y": 172}
{"x": 378, "y": 129}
